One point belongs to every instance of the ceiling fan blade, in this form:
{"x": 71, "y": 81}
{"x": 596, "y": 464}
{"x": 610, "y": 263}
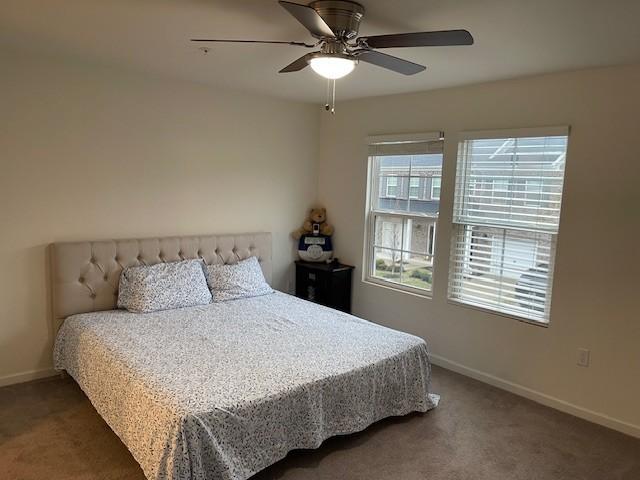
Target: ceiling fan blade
{"x": 298, "y": 64}
{"x": 420, "y": 39}
{"x": 308, "y": 17}
{"x": 389, "y": 62}
{"x": 216, "y": 40}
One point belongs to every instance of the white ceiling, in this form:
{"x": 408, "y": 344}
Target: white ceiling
{"x": 513, "y": 38}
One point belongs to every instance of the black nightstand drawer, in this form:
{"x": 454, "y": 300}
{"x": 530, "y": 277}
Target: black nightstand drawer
{"x": 328, "y": 284}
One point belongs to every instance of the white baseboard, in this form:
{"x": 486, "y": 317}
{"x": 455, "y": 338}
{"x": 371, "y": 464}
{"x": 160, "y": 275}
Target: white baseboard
{"x": 544, "y": 399}
{"x": 27, "y": 376}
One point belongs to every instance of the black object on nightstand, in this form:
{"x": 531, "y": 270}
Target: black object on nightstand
{"x": 328, "y": 284}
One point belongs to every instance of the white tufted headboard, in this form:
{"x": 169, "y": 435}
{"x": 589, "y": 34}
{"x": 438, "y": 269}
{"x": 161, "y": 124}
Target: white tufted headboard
{"x": 85, "y": 275}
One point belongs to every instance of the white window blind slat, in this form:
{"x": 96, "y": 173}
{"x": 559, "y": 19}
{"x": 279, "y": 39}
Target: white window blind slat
{"x": 480, "y": 295}
{"x": 511, "y": 257}
{"x": 506, "y": 214}
{"x": 484, "y": 200}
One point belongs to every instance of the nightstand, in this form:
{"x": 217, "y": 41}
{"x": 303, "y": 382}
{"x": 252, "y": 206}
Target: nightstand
{"x": 328, "y": 284}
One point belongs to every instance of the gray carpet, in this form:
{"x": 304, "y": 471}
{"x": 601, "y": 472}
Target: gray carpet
{"x": 49, "y": 430}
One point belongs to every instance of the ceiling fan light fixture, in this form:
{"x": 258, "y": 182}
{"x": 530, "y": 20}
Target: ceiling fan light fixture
{"x": 332, "y": 66}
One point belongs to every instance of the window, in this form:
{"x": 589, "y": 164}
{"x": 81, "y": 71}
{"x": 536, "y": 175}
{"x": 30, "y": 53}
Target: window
{"x": 401, "y": 227}
{"x": 500, "y": 187}
{"x": 436, "y": 183}
{"x": 506, "y": 214}
{"x": 392, "y": 186}
{"x": 414, "y": 187}
{"x": 532, "y": 192}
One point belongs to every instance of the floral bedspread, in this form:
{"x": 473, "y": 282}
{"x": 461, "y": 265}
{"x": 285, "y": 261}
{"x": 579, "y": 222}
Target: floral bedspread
{"x": 221, "y": 391}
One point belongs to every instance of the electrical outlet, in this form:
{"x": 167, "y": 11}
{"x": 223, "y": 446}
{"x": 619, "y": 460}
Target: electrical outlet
{"x": 583, "y": 357}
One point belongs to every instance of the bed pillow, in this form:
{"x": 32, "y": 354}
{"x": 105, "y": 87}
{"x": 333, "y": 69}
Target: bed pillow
{"x": 163, "y": 286}
{"x": 240, "y": 280}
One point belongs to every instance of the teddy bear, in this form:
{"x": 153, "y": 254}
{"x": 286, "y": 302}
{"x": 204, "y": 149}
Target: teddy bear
{"x": 317, "y": 215}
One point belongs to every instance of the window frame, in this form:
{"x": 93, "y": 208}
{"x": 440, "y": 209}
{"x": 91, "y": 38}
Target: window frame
{"x": 457, "y": 225}
{"x": 371, "y": 214}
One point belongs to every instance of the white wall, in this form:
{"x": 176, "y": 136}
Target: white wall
{"x": 596, "y": 286}
{"x": 91, "y": 153}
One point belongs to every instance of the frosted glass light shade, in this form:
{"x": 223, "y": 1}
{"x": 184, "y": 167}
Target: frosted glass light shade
{"x": 332, "y": 67}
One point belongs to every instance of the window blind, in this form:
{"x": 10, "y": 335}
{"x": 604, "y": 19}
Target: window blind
{"x": 410, "y": 144}
{"x": 506, "y": 213}
{"x": 406, "y": 148}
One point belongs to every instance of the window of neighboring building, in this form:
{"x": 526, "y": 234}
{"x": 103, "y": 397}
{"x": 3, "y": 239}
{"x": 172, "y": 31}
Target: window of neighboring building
{"x": 436, "y": 184}
{"x": 392, "y": 186}
{"x": 414, "y": 187}
{"x": 532, "y": 192}
{"x": 499, "y": 187}
{"x": 401, "y": 227}
{"x": 503, "y": 244}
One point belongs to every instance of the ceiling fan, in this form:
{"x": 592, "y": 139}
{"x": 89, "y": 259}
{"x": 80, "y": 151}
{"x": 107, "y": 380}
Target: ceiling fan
{"x": 335, "y": 25}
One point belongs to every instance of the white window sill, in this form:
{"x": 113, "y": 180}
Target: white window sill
{"x": 416, "y": 292}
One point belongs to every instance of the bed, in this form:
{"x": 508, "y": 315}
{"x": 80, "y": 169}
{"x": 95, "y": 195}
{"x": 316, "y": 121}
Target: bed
{"x": 221, "y": 391}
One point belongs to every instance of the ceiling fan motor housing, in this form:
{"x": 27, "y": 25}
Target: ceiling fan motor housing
{"x": 342, "y": 16}
{"x": 333, "y": 47}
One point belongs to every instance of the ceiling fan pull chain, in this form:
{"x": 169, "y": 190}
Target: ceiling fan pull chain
{"x": 333, "y": 97}
{"x": 327, "y": 107}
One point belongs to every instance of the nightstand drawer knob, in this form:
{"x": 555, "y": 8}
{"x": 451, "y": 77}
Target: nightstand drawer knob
{"x": 311, "y": 293}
